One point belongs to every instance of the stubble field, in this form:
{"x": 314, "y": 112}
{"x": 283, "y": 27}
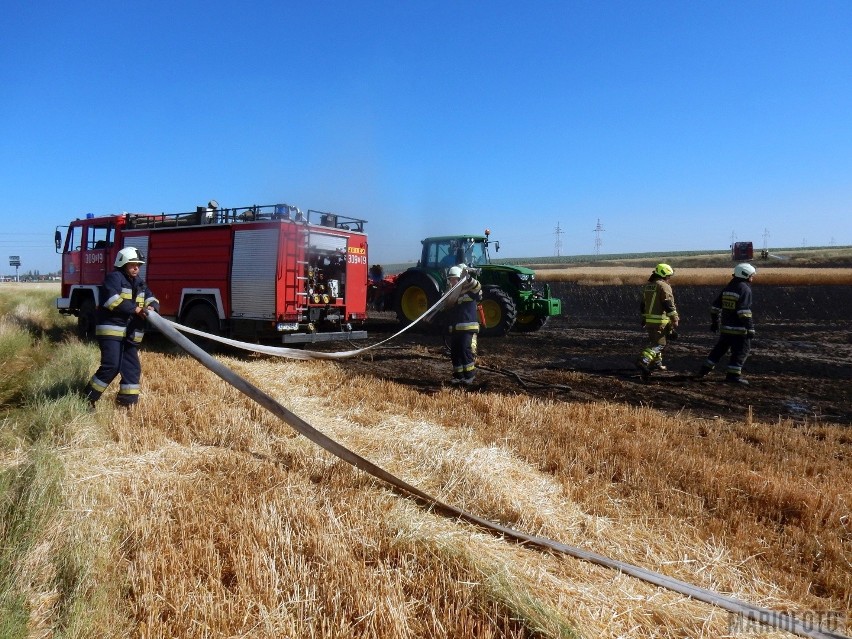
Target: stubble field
{"x": 199, "y": 515}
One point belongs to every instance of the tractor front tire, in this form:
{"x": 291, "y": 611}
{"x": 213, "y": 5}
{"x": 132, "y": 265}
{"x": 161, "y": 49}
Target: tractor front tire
{"x": 528, "y": 323}
{"x": 499, "y": 310}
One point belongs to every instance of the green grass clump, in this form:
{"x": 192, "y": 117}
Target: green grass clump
{"x": 30, "y": 494}
{"x": 42, "y": 412}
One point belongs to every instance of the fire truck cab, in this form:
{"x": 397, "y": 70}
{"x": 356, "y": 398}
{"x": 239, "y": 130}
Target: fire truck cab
{"x": 251, "y": 273}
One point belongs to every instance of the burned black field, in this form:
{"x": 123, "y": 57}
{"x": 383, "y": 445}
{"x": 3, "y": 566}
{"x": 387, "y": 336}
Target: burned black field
{"x": 800, "y": 368}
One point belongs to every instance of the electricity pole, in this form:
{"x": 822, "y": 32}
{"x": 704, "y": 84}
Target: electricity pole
{"x": 558, "y": 244}
{"x": 598, "y": 241}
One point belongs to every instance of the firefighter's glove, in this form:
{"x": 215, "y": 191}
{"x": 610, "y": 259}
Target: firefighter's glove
{"x": 673, "y": 334}
{"x": 750, "y": 335}
{"x": 141, "y": 312}
{"x": 714, "y": 326}
{"x": 468, "y": 285}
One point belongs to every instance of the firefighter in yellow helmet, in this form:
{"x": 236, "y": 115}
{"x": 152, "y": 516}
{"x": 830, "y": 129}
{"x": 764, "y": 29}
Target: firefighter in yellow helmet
{"x": 659, "y": 317}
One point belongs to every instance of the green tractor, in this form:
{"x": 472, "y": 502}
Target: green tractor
{"x": 510, "y": 298}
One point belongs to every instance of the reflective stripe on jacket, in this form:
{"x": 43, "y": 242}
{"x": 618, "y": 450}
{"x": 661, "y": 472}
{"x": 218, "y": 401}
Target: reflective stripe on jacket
{"x": 464, "y": 316}
{"x": 732, "y": 308}
{"x": 658, "y": 304}
{"x": 120, "y": 297}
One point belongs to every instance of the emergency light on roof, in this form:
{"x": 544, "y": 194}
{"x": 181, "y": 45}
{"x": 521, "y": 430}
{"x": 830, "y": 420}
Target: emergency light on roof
{"x": 90, "y": 216}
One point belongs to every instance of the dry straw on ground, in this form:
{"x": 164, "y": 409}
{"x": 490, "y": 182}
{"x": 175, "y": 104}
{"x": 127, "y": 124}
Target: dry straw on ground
{"x": 226, "y": 524}
{"x": 199, "y": 515}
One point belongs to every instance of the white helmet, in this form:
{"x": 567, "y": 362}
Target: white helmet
{"x": 129, "y": 255}
{"x": 455, "y": 271}
{"x": 744, "y": 270}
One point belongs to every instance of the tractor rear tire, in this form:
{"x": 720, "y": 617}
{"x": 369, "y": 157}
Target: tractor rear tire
{"x": 415, "y": 294}
{"x": 499, "y": 310}
{"x": 529, "y": 323}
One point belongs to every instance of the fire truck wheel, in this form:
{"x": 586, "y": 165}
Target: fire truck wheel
{"x": 86, "y": 320}
{"x": 202, "y": 317}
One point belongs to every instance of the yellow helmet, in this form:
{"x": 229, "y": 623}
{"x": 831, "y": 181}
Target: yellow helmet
{"x": 663, "y": 270}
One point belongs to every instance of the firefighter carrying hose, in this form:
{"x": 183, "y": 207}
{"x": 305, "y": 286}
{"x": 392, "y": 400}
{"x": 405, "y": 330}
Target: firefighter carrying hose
{"x": 659, "y": 317}
{"x": 730, "y": 316}
{"x": 464, "y": 325}
{"x": 124, "y": 300}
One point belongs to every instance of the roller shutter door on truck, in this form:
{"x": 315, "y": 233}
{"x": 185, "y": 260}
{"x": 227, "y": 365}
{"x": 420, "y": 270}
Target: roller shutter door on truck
{"x": 253, "y": 274}
{"x": 140, "y": 243}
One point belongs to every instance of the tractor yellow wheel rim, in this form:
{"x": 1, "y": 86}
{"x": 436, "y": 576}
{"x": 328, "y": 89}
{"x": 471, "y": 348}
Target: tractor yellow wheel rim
{"x": 414, "y": 302}
{"x": 493, "y": 313}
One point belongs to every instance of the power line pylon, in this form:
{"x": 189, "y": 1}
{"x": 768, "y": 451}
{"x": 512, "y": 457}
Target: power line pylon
{"x": 598, "y": 241}
{"x": 557, "y": 247}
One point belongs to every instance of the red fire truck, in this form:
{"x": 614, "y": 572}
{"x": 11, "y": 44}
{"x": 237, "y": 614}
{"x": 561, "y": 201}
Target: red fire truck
{"x": 742, "y": 251}
{"x": 251, "y": 273}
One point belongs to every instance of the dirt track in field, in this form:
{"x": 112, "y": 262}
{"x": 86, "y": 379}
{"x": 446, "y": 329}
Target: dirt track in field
{"x": 800, "y": 367}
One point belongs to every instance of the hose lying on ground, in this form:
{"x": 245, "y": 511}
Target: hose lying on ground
{"x": 746, "y": 610}
{"x": 298, "y": 353}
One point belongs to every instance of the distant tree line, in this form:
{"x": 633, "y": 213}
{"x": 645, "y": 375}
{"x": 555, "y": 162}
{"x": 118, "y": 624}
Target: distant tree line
{"x": 33, "y": 276}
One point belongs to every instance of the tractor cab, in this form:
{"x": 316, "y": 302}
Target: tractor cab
{"x": 440, "y": 253}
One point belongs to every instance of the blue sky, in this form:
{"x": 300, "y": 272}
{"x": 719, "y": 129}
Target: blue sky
{"x": 678, "y": 125}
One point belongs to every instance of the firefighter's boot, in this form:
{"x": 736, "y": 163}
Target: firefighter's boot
{"x": 704, "y": 371}
{"x": 644, "y": 366}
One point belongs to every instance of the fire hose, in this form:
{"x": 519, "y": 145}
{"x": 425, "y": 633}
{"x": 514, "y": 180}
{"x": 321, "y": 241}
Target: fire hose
{"x": 297, "y": 353}
{"x": 746, "y": 610}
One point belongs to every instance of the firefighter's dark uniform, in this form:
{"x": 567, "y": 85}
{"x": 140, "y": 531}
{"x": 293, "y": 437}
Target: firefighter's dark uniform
{"x": 464, "y": 326}
{"x": 119, "y": 332}
{"x": 659, "y": 314}
{"x": 731, "y": 316}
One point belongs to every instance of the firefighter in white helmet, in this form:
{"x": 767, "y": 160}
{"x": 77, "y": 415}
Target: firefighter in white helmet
{"x": 124, "y": 299}
{"x": 730, "y": 316}
{"x": 659, "y": 317}
{"x": 463, "y": 325}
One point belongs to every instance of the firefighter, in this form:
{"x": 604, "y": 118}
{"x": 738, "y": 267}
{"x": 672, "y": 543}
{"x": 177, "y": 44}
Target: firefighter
{"x": 124, "y": 301}
{"x": 730, "y": 317}
{"x": 659, "y": 317}
{"x": 376, "y": 287}
{"x": 463, "y": 319}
